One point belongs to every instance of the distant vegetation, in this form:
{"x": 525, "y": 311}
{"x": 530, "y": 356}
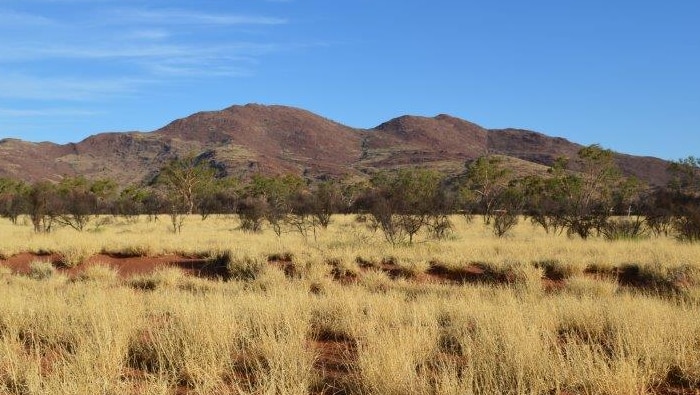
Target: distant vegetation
{"x": 583, "y": 196}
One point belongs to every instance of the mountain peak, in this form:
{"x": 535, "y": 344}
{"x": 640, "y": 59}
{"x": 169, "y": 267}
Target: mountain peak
{"x": 251, "y": 138}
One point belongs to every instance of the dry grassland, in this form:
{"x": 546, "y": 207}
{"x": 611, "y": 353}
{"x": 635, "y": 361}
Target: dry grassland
{"x": 345, "y": 313}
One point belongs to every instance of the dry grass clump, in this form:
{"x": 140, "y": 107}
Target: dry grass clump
{"x": 240, "y": 266}
{"x": 399, "y": 349}
{"x": 131, "y": 250}
{"x": 73, "y": 256}
{"x": 76, "y": 338}
{"x": 333, "y": 320}
{"x": 99, "y": 273}
{"x": 283, "y": 256}
{"x": 618, "y": 353}
{"x": 367, "y": 262}
{"x": 63, "y": 340}
{"x": 514, "y": 273}
{"x": 584, "y": 286}
{"x": 376, "y": 281}
{"x": 343, "y": 269}
{"x": 660, "y": 279}
{"x": 555, "y": 269}
{"x": 405, "y": 267}
{"x": 41, "y": 270}
{"x": 251, "y": 344}
{"x": 165, "y": 277}
{"x": 5, "y": 274}
{"x": 6, "y": 251}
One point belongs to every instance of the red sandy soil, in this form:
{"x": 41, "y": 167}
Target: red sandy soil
{"x": 335, "y": 364}
{"x": 125, "y": 266}
{"x": 128, "y": 266}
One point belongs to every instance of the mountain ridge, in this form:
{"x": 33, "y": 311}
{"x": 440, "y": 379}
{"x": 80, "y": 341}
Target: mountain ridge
{"x": 252, "y": 138}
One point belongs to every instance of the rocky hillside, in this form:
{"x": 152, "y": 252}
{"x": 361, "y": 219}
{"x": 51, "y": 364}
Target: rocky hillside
{"x": 276, "y": 139}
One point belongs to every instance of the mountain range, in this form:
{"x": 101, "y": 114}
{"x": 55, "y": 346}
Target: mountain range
{"x": 243, "y": 140}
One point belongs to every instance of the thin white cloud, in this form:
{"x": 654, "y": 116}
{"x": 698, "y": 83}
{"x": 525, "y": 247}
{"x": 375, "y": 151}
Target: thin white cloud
{"x": 45, "y": 112}
{"x": 14, "y": 19}
{"x": 123, "y": 50}
{"x": 166, "y": 52}
{"x": 186, "y": 17}
{"x": 147, "y": 34}
{"x": 26, "y": 87}
{"x": 184, "y": 70}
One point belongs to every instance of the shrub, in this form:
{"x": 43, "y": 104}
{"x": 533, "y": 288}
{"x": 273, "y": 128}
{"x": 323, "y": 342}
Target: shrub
{"x": 591, "y": 287}
{"x": 343, "y": 269}
{"x": 167, "y": 277}
{"x": 670, "y": 280}
{"x": 74, "y": 256}
{"x": 243, "y": 267}
{"x": 440, "y": 227}
{"x": 412, "y": 268}
{"x": 367, "y": 262}
{"x": 99, "y": 273}
{"x": 281, "y": 256}
{"x": 556, "y": 270}
{"x": 503, "y": 223}
{"x": 252, "y": 212}
{"x": 516, "y": 274}
{"x": 5, "y": 273}
{"x": 134, "y": 250}
{"x": 623, "y": 229}
{"x": 41, "y": 270}
{"x": 687, "y": 226}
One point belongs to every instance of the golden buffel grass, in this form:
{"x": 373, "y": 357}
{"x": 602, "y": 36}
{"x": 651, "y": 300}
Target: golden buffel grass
{"x": 60, "y": 336}
{"x": 346, "y": 241}
{"x": 263, "y": 330}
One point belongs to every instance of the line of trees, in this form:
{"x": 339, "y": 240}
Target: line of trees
{"x": 593, "y": 200}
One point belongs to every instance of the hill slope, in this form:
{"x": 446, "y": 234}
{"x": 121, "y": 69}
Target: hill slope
{"x": 279, "y": 139}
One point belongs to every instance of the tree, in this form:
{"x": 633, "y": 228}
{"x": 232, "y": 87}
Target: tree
{"x": 325, "y": 199}
{"x": 486, "y": 178}
{"x": 13, "y": 200}
{"x": 221, "y": 198}
{"x": 269, "y": 198}
{"x": 42, "y": 205}
{"x": 543, "y": 202}
{"x": 685, "y": 175}
{"x": 185, "y": 180}
{"x": 583, "y": 198}
{"x": 599, "y": 175}
{"x": 105, "y": 192}
{"x": 77, "y": 203}
{"x": 401, "y": 203}
{"x": 685, "y": 201}
{"x": 251, "y": 212}
{"x": 131, "y": 202}
{"x": 510, "y": 201}
{"x": 80, "y": 199}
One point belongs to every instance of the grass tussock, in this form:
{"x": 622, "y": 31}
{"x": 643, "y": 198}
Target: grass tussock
{"x": 167, "y": 277}
{"x": 409, "y": 338}
{"x": 99, "y": 273}
{"x": 555, "y": 269}
{"x": 41, "y": 270}
{"x": 75, "y": 254}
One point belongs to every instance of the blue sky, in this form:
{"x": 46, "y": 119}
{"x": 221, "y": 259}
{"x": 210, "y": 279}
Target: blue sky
{"x": 624, "y": 74}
